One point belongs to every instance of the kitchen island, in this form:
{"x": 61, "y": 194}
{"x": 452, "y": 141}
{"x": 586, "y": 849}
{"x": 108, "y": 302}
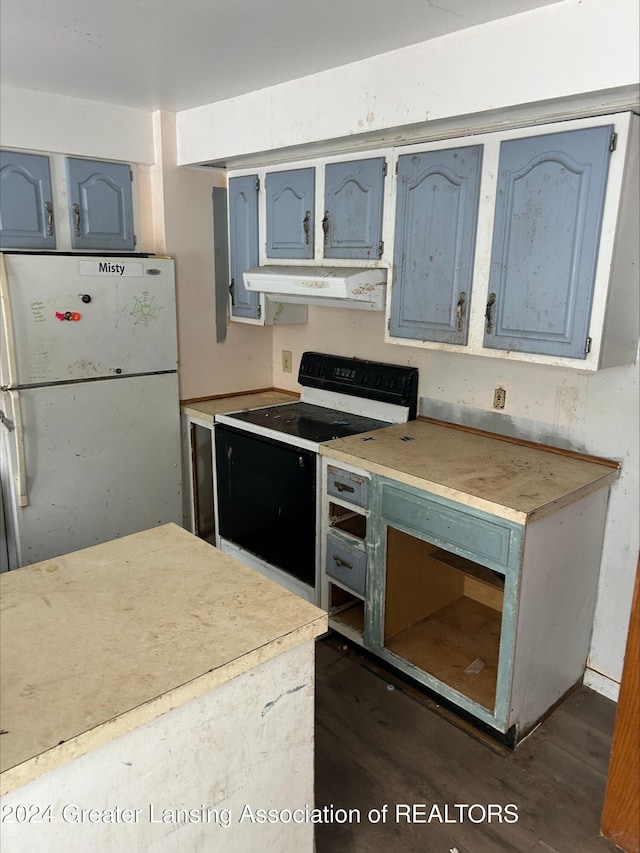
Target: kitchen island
{"x": 155, "y": 695}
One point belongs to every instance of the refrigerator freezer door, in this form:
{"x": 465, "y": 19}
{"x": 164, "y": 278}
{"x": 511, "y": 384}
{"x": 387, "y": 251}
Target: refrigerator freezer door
{"x": 102, "y": 461}
{"x": 79, "y": 317}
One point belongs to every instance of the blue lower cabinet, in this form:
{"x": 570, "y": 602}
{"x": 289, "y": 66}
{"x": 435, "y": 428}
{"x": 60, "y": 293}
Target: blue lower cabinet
{"x": 491, "y": 615}
{"x": 445, "y": 607}
{"x": 346, "y": 563}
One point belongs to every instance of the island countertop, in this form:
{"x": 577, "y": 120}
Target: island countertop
{"x": 519, "y": 482}
{"x": 100, "y": 641}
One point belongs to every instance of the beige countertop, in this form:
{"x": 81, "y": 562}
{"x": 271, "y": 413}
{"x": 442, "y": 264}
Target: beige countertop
{"x": 510, "y": 480}
{"x": 98, "y": 642}
{"x": 207, "y": 409}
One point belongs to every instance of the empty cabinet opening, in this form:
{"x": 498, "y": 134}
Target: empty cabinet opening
{"x": 443, "y": 614}
{"x": 346, "y": 608}
{"x": 347, "y": 521}
{"x": 202, "y": 473}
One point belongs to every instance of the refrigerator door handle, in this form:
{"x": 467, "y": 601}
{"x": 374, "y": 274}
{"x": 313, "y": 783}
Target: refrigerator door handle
{"x": 10, "y": 379}
{"x": 21, "y": 472}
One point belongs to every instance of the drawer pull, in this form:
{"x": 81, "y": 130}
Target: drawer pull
{"x": 343, "y": 487}
{"x": 342, "y": 563}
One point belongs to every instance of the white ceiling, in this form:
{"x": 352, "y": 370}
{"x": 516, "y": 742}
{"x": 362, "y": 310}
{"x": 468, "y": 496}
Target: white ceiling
{"x": 176, "y": 54}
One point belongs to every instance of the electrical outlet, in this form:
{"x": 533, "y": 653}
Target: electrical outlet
{"x": 499, "y": 398}
{"x": 286, "y": 361}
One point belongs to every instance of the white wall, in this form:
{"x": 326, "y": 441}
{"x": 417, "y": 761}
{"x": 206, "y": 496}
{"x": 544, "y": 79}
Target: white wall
{"x": 183, "y": 228}
{"x": 559, "y": 51}
{"x": 44, "y": 122}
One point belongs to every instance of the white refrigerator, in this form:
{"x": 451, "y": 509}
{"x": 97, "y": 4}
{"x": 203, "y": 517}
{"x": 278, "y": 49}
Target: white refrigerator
{"x": 89, "y": 414}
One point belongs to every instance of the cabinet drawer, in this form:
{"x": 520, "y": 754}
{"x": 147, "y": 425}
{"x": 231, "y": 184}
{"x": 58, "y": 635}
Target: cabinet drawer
{"x": 347, "y": 485}
{"x": 346, "y": 564}
{"x": 492, "y": 541}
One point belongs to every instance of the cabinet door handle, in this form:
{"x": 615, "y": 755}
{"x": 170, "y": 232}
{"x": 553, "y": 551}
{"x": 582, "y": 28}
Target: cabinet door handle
{"x": 460, "y": 309}
{"x": 49, "y": 209}
{"x": 343, "y": 487}
{"x": 342, "y": 563}
{"x": 305, "y": 226}
{"x": 232, "y": 291}
{"x": 487, "y": 313}
{"x": 76, "y": 216}
{"x": 325, "y": 226}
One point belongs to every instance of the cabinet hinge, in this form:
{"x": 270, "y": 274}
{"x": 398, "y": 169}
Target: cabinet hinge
{"x": 587, "y": 346}
{"x": 614, "y": 142}
{"x": 396, "y": 167}
{"x": 384, "y": 169}
{"x": 135, "y": 240}
{"x": 257, "y": 183}
{"x": 380, "y": 248}
{"x": 131, "y": 175}
{"x": 259, "y": 310}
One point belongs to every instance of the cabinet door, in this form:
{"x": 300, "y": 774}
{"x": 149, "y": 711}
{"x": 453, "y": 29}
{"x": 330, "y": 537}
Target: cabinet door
{"x": 243, "y": 243}
{"x": 550, "y": 197}
{"x": 26, "y": 203}
{"x": 100, "y": 205}
{"x": 352, "y": 222}
{"x": 290, "y": 199}
{"x": 436, "y": 217}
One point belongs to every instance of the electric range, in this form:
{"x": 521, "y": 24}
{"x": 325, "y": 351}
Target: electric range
{"x": 267, "y": 464}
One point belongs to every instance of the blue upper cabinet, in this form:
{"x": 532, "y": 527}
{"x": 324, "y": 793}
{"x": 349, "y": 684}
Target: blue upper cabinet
{"x": 243, "y": 243}
{"x": 26, "y": 202}
{"x": 434, "y": 244}
{"x": 548, "y": 218}
{"x": 100, "y": 205}
{"x": 352, "y": 221}
{"x": 290, "y": 199}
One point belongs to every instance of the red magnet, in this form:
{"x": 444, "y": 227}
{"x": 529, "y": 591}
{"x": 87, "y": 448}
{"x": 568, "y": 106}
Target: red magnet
{"x": 68, "y": 315}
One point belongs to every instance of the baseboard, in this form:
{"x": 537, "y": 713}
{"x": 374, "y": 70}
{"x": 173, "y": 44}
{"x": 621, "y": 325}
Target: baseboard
{"x": 602, "y": 684}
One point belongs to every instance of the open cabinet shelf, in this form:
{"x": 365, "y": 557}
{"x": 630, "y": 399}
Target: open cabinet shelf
{"x": 443, "y": 614}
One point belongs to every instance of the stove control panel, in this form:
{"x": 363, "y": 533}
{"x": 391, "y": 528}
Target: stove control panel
{"x": 388, "y": 383}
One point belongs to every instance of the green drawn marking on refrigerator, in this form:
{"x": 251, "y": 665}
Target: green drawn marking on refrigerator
{"x": 37, "y": 310}
{"x": 145, "y": 309}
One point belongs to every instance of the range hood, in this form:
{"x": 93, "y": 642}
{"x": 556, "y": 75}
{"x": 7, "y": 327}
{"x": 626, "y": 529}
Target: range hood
{"x": 335, "y": 287}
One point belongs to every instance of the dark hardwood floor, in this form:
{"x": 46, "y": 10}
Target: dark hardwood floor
{"x": 379, "y": 743}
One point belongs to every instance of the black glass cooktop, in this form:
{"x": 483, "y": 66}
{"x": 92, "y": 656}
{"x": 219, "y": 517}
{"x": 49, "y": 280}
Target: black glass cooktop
{"x": 304, "y": 420}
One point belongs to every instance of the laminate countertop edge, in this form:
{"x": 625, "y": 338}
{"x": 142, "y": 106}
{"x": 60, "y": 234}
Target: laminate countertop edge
{"x": 31, "y": 769}
{"x": 517, "y": 483}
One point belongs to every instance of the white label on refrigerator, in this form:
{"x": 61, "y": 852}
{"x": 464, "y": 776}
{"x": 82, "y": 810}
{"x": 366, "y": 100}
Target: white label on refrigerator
{"x": 111, "y": 268}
